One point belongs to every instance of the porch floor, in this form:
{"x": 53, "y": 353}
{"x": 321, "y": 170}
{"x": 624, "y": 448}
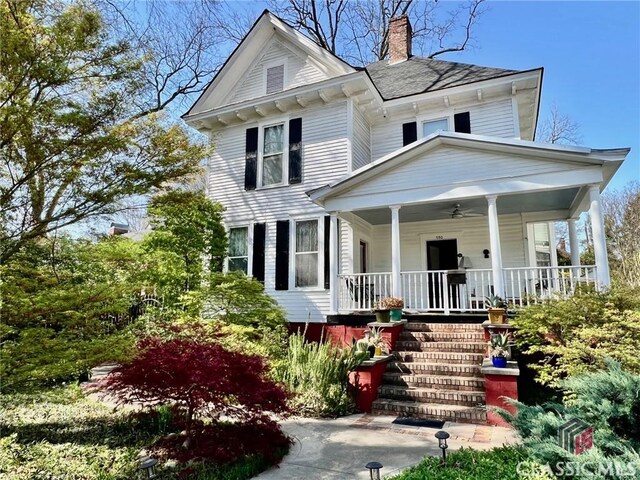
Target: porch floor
{"x": 362, "y": 318}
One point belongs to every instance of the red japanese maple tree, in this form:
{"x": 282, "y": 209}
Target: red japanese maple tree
{"x": 202, "y": 378}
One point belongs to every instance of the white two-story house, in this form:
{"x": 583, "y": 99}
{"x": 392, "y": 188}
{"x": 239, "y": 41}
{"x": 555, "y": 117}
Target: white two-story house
{"x": 411, "y": 177}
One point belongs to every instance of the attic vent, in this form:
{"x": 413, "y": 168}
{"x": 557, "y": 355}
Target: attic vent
{"x": 275, "y": 79}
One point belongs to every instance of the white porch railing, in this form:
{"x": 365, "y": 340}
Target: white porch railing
{"x": 360, "y": 291}
{"x": 447, "y": 291}
{"x": 525, "y": 285}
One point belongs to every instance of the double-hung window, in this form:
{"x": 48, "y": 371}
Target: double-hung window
{"x": 238, "y": 249}
{"x": 306, "y": 253}
{"x": 273, "y": 155}
{"x": 432, "y": 126}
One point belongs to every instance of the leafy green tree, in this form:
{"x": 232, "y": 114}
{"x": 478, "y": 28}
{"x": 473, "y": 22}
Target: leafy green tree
{"x": 76, "y": 132}
{"x": 189, "y": 226}
{"x": 61, "y": 302}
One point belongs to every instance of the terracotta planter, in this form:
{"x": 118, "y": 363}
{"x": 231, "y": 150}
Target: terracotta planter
{"x": 383, "y": 316}
{"x": 396, "y": 314}
{"x": 496, "y": 315}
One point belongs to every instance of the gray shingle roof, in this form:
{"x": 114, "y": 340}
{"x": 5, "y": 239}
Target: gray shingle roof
{"x": 420, "y": 75}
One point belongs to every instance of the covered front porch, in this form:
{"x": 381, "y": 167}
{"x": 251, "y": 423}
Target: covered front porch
{"x": 442, "y": 227}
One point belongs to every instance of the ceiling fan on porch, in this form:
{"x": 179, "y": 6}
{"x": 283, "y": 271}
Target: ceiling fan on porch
{"x": 457, "y": 212}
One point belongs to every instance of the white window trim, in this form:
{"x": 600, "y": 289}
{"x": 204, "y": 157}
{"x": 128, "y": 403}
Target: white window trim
{"x": 292, "y": 254}
{"x": 443, "y": 115}
{"x": 267, "y": 66}
{"x": 285, "y": 151}
{"x": 249, "y": 227}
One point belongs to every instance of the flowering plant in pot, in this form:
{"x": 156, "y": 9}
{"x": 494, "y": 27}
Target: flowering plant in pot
{"x": 395, "y": 306}
{"x": 496, "y": 308}
{"x": 382, "y": 311}
{"x": 500, "y": 350}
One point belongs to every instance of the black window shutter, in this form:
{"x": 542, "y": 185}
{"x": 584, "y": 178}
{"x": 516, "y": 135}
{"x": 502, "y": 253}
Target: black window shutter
{"x": 282, "y": 255}
{"x": 462, "y": 122}
{"x": 409, "y": 133}
{"x": 327, "y": 247}
{"x": 259, "y": 234}
{"x": 251, "y": 159}
{"x": 295, "y": 150}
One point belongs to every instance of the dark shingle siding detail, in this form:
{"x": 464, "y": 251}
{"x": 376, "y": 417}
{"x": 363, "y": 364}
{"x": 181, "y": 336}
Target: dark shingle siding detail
{"x": 420, "y": 75}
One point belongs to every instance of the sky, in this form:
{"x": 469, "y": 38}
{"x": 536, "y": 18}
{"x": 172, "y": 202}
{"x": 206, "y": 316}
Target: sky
{"x": 590, "y": 52}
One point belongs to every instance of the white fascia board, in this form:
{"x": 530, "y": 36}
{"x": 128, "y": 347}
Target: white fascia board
{"x": 255, "y": 102}
{"x": 322, "y": 55}
{"x": 554, "y": 152}
{"x": 451, "y": 91}
{"x": 502, "y": 186}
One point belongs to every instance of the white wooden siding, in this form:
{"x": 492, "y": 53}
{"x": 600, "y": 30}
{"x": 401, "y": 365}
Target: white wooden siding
{"x": 451, "y": 166}
{"x": 472, "y": 235}
{"x": 361, "y": 140}
{"x": 324, "y": 151}
{"x": 490, "y": 118}
{"x": 494, "y": 119}
{"x": 298, "y": 71}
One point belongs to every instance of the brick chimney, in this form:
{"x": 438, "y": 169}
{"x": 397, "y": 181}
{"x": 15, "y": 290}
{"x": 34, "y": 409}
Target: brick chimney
{"x": 399, "y": 39}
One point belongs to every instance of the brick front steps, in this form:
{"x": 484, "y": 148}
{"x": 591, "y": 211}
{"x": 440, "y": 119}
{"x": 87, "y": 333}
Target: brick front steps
{"x": 436, "y": 374}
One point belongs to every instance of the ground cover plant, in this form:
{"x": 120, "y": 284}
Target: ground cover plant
{"x": 60, "y": 433}
{"x": 609, "y": 402}
{"x": 318, "y": 376}
{"x": 466, "y": 463}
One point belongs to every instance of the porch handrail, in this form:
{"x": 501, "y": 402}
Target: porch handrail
{"x": 360, "y": 291}
{"x": 525, "y": 285}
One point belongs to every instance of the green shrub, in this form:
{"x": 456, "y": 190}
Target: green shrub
{"x": 466, "y": 464}
{"x": 609, "y": 401}
{"x": 576, "y": 335}
{"x": 318, "y": 374}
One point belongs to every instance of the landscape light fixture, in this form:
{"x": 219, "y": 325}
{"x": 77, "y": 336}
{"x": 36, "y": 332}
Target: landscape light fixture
{"x": 148, "y": 465}
{"x": 374, "y": 467}
{"x": 442, "y": 443}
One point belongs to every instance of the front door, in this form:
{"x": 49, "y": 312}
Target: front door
{"x": 442, "y": 255}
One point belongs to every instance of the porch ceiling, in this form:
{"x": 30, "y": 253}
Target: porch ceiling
{"x": 507, "y": 204}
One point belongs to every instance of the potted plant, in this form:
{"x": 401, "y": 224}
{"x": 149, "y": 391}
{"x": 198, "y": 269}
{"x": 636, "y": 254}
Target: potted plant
{"x": 362, "y": 346}
{"x": 496, "y": 308}
{"x": 499, "y": 350}
{"x": 382, "y": 311}
{"x": 376, "y": 340}
{"x": 395, "y": 306}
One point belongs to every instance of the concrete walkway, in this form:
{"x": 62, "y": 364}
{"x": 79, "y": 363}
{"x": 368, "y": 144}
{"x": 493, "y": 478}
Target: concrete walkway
{"x": 339, "y": 448}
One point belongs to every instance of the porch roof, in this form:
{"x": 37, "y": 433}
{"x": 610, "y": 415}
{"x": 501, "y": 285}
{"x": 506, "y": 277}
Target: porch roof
{"x": 447, "y": 166}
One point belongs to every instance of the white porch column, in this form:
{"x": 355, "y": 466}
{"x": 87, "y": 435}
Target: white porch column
{"x": 496, "y": 251}
{"x": 573, "y": 242}
{"x": 333, "y": 264}
{"x": 599, "y": 239}
{"x": 395, "y": 251}
{"x": 553, "y": 244}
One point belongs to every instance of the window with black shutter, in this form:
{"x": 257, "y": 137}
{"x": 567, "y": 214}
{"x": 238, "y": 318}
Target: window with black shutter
{"x": 251, "y": 159}
{"x": 462, "y": 122}
{"x": 295, "y": 150}
{"x": 259, "y": 236}
{"x": 282, "y": 255}
{"x": 409, "y": 133}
